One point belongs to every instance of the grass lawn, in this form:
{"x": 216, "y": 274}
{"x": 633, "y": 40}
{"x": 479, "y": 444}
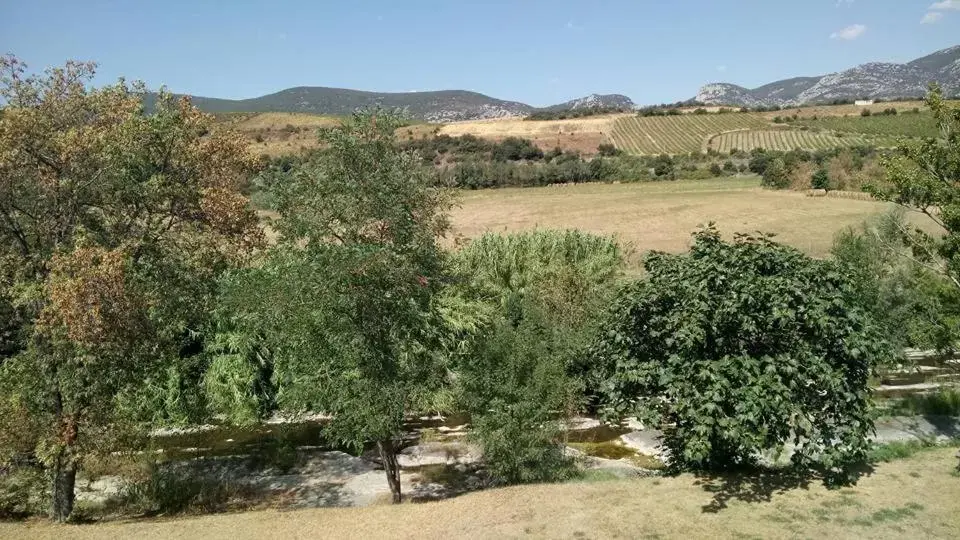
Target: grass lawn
{"x": 916, "y": 497}
{"x": 662, "y": 215}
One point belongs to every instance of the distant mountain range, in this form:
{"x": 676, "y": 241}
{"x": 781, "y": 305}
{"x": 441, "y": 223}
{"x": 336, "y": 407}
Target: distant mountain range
{"x": 874, "y": 80}
{"x": 439, "y": 106}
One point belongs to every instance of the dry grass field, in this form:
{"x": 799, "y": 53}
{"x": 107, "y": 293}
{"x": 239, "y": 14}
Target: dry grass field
{"x": 910, "y": 498}
{"x": 661, "y": 215}
{"x": 580, "y": 134}
{"x": 276, "y": 134}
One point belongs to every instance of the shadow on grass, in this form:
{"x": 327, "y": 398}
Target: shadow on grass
{"x": 756, "y": 485}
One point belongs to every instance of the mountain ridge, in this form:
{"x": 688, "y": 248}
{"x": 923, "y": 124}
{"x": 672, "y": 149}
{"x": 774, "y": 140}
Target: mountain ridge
{"x": 872, "y": 80}
{"x": 432, "y": 106}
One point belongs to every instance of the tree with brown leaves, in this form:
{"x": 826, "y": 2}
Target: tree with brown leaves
{"x": 114, "y": 226}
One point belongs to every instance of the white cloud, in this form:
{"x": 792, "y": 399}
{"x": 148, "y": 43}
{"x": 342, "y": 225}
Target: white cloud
{"x": 847, "y": 3}
{"x": 931, "y": 17}
{"x": 849, "y": 33}
{"x": 721, "y": 69}
{"x": 946, "y": 4}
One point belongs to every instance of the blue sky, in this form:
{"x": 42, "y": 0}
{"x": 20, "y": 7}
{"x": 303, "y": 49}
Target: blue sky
{"x": 539, "y": 52}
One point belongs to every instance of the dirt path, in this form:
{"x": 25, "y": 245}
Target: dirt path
{"x": 915, "y": 497}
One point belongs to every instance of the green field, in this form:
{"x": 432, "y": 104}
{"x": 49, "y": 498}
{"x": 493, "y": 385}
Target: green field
{"x": 900, "y": 125}
{"x": 677, "y": 134}
{"x": 789, "y": 139}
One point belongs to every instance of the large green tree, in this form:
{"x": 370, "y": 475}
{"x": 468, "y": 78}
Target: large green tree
{"x": 737, "y": 348}
{"x": 345, "y": 301}
{"x": 114, "y": 226}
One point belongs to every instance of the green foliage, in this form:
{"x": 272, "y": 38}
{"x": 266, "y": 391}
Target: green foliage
{"x": 943, "y": 402}
{"x": 776, "y": 175}
{"x": 539, "y": 294}
{"x": 608, "y": 150}
{"x": 821, "y": 179}
{"x": 885, "y": 453}
{"x": 169, "y": 490}
{"x": 515, "y": 384}
{"x": 238, "y": 381}
{"x": 114, "y": 227}
{"x": 737, "y": 348}
{"x": 923, "y": 176}
{"x": 516, "y": 149}
{"x": 345, "y": 302}
{"x": 917, "y": 306}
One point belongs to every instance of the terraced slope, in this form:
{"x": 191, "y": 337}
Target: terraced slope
{"x": 677, "y": 134}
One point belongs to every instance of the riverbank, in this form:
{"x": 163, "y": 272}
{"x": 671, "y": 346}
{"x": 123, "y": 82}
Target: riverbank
{"x": 915, "y": 497}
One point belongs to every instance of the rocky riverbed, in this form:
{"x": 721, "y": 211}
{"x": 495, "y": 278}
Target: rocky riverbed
{"x": 437, "y": 461}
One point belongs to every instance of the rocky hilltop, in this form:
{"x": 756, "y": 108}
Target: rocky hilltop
{"x": 873, "y": 81}
{"x": 606, "y": 101}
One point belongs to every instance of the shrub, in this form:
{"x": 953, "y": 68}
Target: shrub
{"x": 716, "y": 169}
{"x": 608, "y": 150}
{"x": 820, "y": 180}
{"x": 526, "y": 306}
{"x": 170, "y": 490}
{"x": 865, "y": 112}
{"x": 776, "y": 175}
{"x": 515, "y": 385}
{"x": 738, "y": 348}
{"x": 945, "y": 402}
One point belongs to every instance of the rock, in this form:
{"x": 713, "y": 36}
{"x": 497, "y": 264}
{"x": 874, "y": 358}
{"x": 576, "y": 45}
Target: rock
{"x": 647, "y": 441}
{"x": 906, "y": 428}
{"x": 335, "y": 466}
{"x": 438, "y": 453}
{"x": 617, "y": 467}
{"x": 578, "y": 423}
{"x": 100, "y": 490}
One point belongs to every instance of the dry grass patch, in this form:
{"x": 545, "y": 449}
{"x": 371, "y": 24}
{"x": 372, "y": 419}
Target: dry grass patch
{"x": 577, "y": 134}
{"x": 915, "y": 497}
{"x": 661, "y": 215}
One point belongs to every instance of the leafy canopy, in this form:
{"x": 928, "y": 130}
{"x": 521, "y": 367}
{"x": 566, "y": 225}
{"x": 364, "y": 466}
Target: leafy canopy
{"x": 114, "y": 226}
{"x": 737, "y": 348}
{"x": 345, "y": 301}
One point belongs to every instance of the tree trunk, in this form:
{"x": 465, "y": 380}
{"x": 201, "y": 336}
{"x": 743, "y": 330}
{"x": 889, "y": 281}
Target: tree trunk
{"x": 388, "y": 453}
{"x": 63, "y": 478}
